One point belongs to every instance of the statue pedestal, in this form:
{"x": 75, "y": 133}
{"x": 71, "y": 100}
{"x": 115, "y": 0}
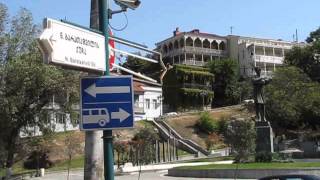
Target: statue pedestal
{"x": 264, "y": 141}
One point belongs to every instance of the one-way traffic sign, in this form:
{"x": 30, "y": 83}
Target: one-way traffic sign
{"x": 106, "y": 102}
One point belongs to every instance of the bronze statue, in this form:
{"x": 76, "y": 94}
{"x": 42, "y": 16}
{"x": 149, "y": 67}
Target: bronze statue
{"x": 258, "y": 83}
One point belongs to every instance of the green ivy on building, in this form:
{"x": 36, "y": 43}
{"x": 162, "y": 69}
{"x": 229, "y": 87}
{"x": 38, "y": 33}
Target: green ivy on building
{"x": 188, "y": 87}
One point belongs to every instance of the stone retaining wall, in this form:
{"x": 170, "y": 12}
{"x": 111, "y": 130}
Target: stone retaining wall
{"x": 241, "y": 173}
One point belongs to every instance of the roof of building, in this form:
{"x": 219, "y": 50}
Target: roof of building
{"x": 147, "y": 83}
{"x": 137, "y": 87}
{"x": 193, "y": 32}
{"x": 197, "y": 32}
{"x": 139, "y": 80}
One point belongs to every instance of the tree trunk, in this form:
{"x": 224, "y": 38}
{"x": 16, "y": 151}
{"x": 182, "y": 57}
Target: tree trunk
{"x": 11, "y": 150}
{"x": 118, "y": 154}
{"x": 69, "y": 163}
{"x": 93, "y": 168}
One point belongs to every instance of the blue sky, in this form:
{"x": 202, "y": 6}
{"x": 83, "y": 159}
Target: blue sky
{"x": 155, "y": 20}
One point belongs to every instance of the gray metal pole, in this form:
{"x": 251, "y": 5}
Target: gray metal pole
{"x": 93, "y": 166}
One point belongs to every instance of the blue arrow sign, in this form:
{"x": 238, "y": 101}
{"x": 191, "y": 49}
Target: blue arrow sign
{"x": 106, "y": 103}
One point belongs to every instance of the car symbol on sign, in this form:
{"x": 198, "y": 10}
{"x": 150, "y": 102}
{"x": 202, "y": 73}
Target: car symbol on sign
{"x": 94, "y": 116}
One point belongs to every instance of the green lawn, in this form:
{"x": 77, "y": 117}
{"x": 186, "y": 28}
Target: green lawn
{"x": 17, "y": 169}
{"x": 255, "y": 166}
{"x": 75, "y": 163}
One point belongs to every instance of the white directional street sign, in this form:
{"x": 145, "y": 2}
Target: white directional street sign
{"x": 72, "y": 46}
{"x": 106, "y": 102}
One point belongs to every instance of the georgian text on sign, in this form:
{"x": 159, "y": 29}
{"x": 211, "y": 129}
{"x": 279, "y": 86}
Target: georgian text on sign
{"x": 71, "y": 46}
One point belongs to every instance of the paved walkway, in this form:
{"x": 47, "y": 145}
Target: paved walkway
{"x": 153, "y": 172}
{"x": 158, "y": 175}
{"x": 155, "y": 167}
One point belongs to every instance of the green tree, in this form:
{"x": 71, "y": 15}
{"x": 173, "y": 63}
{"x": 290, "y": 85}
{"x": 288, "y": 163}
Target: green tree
{"x": 143, "y": 143}
{"x": 144, "y": 67}
{"x": 292, "y": 100}
{"x": 226, "y": 73}
{"x": 72, "y": 147}
{"x": 207, "y": 124}
{"x": 314, "y": 36}
{"x": 121, "y": 147}
{"x": 241, "y": 135}
{"x": 306, "y": 58}
{"x": 26, "y": 84}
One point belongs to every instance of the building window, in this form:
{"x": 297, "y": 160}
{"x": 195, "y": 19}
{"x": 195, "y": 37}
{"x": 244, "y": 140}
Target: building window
{"x": 154, "y": 103}
{"x": 278, "y": 52}
{"x": 60, "y": 118}
{"x": 222, "y": 46}
{"x": 148, "y": 103}
{"x": 259, "y": 50}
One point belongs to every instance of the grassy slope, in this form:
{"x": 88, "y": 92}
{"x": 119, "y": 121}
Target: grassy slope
{"x": 58, "y": 144}
{"x": 185, "y": 124}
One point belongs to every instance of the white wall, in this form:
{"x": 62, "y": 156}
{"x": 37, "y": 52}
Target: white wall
{"x": 151, "y": 103}
{"x": 154, "y": 95}
{"x": 54, "y": 125}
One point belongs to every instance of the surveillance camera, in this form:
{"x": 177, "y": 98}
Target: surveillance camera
{"x": 132, "y": 4}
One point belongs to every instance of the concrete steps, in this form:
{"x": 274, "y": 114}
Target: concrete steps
{"x": 167, "y": 135}
{"x": 187, "y": 145}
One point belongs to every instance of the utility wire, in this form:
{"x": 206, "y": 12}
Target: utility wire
{"x": 124, "y": 27}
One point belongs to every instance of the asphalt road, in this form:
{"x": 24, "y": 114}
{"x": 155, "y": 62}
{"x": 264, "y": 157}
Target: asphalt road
{"x": 158, "y": 175}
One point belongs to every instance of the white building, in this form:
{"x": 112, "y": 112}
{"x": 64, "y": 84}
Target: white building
{"x": 192, "y": 48}
{"x": 56, "y": 120}
{"x": 197, "y": 48}
{"x": 268, "y": 54}
{"x": 147, "y": 100}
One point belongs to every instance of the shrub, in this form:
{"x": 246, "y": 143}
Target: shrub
{"x": 241, "y": 137}
{"x": 213, "y": 139}
{"x": 263, "y": 157}
{"x": 223, "y": 125}
{"x": 36, "y": 160}
{"x": 207, "y": 124}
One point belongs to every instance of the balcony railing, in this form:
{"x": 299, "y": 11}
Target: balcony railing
{"x": 193, "y": 62}
{"x": 205, "y": 51}
{"x": 196, "y": 50}
{"x": 269, "y": 59}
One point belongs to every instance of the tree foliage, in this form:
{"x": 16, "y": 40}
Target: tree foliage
{"x": 144, "y": 67}
{"x": 314, "y": 36}
{"x": 26, "y": 84}
{"x": 241, "y": 135}
{"x": 293, "y": 100}
{"x": 38, "y": 158}
{"x": 227, "y": 85}
{"x": 306, "y": 58}
{"x": 121, "y": 147}
{"x": 72, "y": 147}
{"x": 188, "y": 87}
{"x": 207, "y": 124}
{"x": 143, "y": 145}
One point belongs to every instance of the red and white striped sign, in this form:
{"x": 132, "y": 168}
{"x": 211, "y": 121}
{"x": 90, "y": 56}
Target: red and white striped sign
{"x": 112, "y": 55}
